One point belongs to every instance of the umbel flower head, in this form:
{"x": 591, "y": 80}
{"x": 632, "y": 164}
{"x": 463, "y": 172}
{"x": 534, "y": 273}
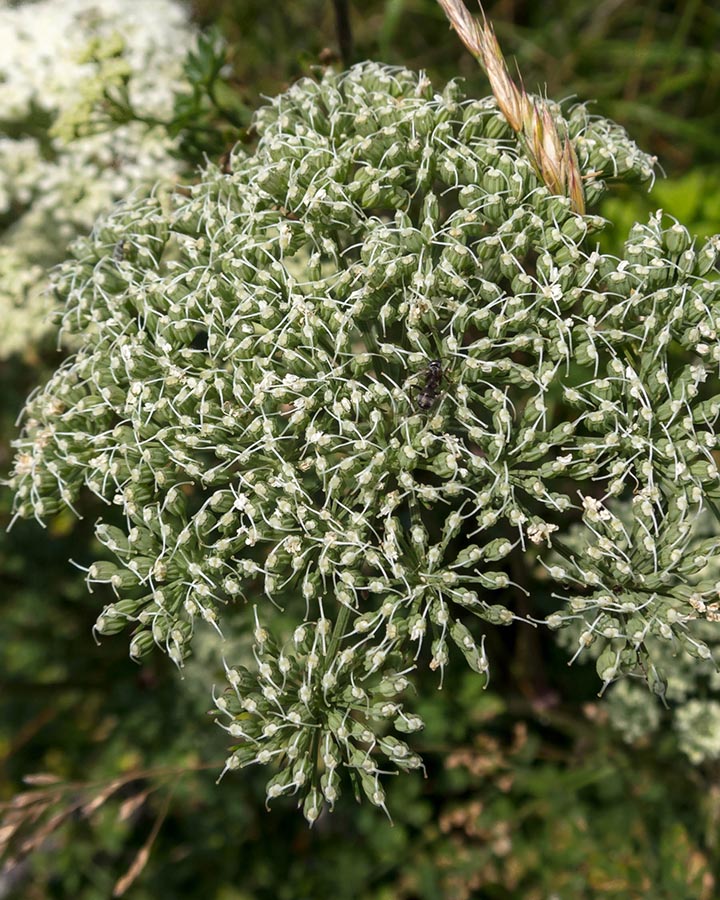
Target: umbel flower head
{"x": 59, "y": 165}
{"x": 346, "y": 383}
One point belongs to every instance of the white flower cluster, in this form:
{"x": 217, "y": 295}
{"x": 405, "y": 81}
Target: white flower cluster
{"x": 304, "y": 703}
{"x": 690, "y": 696}
{"x": 690, "y": 680}
{"x": 56, "y": 61}
{"x": 358, "y": 375}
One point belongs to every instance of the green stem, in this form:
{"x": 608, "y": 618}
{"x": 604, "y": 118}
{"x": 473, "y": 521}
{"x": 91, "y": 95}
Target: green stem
{"x": 338, "y": 630}
{"x": 713, "y": 507}
{"x": 558, "y": 545}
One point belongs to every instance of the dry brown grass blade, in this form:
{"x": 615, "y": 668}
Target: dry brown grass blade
{"x": 552, "y": 157}
{"x": 135, "y": 869}
{"x": 132, "y": 804}
{"x": 26, "y": 799}
{"x": 143, "y": 855}
{"x": 41, "y": 779}
{"x": 100, "y": 798}
{"x": 46, "y": 810}
{"x": 29, "y": 818}
{"x": 17, "y": 818}
{"x": 45, "y": 830}
{"x": 466, "y": 27}
{"x": 7, "y": 832}
{"x": 574, "y": 178}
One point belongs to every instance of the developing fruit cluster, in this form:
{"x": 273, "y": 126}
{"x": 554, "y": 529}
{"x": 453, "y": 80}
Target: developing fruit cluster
{"x": 347, "y": 382}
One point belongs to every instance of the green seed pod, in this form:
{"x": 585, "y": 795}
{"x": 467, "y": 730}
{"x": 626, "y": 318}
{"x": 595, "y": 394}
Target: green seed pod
{"x": 141, "y": 644}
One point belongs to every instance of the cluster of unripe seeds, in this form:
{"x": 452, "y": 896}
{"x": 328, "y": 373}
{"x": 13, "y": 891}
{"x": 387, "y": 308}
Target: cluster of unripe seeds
{"x": 351, "y": 379}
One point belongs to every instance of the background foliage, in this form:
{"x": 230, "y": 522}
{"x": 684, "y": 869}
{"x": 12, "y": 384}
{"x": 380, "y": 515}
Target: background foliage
{"x": 529, "y": 792}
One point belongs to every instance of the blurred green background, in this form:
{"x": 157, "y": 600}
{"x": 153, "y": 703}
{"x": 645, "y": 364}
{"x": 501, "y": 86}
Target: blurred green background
{"x": 108, "y": 770}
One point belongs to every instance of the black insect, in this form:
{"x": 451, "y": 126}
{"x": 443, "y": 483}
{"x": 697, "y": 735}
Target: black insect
{"x": 431, "y": 391}
{"x": 120, "y": 250}
{"x": 226, "y": 163}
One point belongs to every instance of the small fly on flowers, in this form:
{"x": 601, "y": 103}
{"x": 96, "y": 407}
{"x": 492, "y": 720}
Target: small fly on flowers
{"x": 433, "y": 380}
{"x": 120, "y": 250}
